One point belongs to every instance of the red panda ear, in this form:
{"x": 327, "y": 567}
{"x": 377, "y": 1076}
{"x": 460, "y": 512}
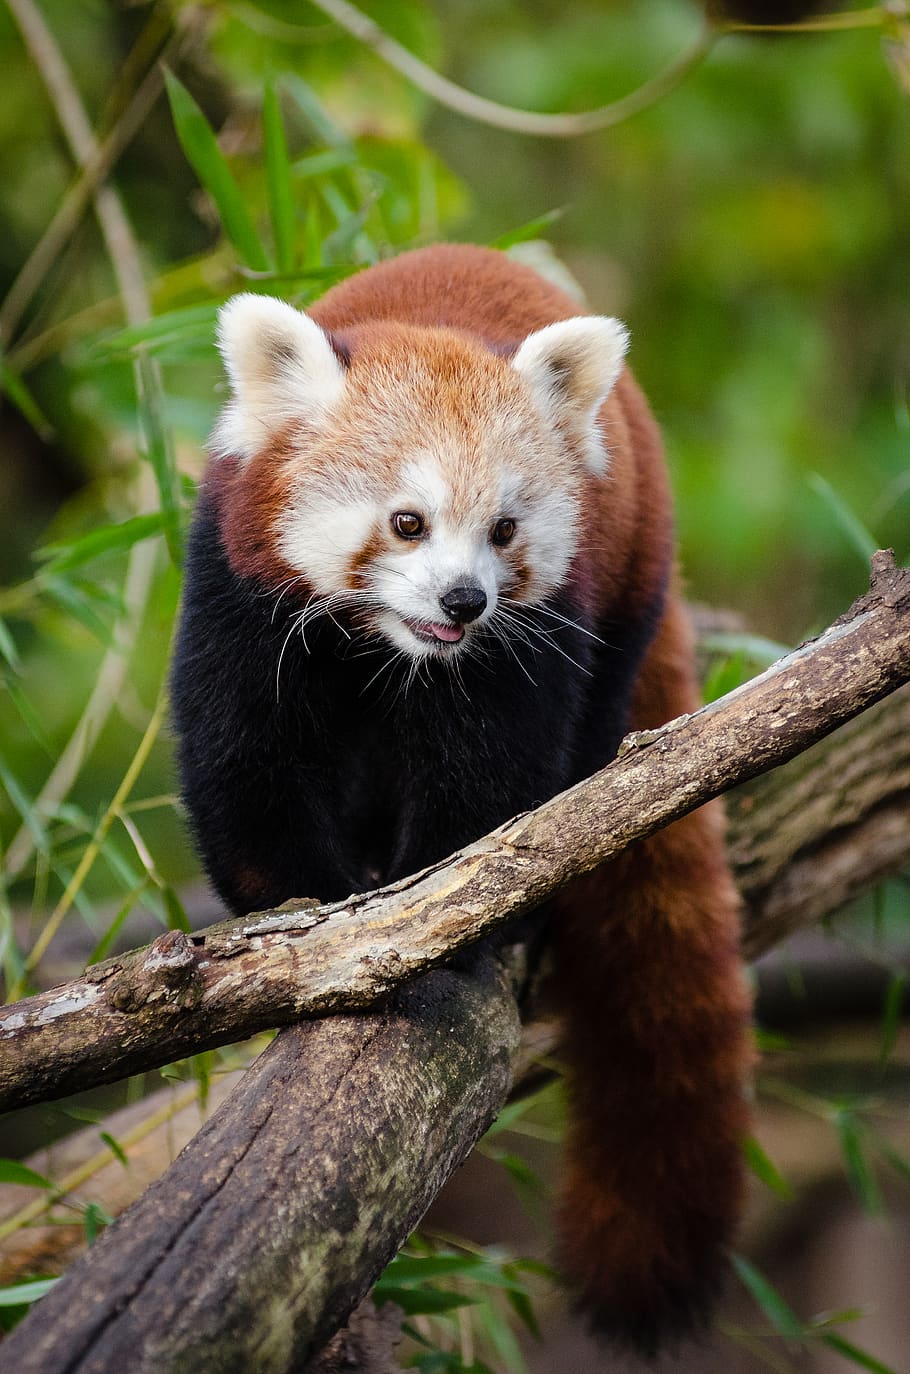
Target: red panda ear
{"x": 282, "y": 367}
{"x": 571, "y": 367}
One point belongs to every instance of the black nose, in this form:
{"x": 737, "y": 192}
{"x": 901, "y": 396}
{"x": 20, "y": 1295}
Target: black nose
{"x": 462, "y": 604}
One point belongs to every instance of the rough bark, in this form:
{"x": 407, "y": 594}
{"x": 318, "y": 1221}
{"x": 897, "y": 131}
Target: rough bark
{"x": 271, "y": 1225}
{"x": 186, "y": 993}
{"x": 806, "y": 839}
{"x": 151, "y": 1133}
{"x": 366, "y": 1345}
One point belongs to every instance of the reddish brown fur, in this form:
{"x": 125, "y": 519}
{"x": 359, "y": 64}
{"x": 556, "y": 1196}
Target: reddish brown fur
{"x": 648, "y": 963}
{"x": 250, "y": 500}
{"x": 648, "y": 977}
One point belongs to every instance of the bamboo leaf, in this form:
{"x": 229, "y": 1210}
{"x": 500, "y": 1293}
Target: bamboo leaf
{"x": 527, "y": 1181}
{"x": 523, "y": 1308}
{"x": 109, "y": 539}
{"x": 412, "y": 1270}
{"x": 206, "y": 159}
{"x": 8, "y": 648}
{"x": 11, "y": 1171}
{"x": 847, "y": 1314}
{"x": 115, "y": 1148}
{"x": 755, "y": 648}
{"x": 159, "y": 450}
{"x": 94, "y": 1221}
{"x": 21, "y": 1293}
{"x": 177, "y": 918}
{"x": 421, "y": 1268}
{"x": 278, "y": 180}
{"x": 191, "y": 324}
{"x": 102, "y": 949}
{"x": 30, "y": 718}
{"x": 415, "y": 1302}
{"x": 77, "y": 601}
{"x": 859, "y": 1170}
{"x": 852, "y": 1352}
{"x": 499, "y": 1333}
{"x": 725, "y": 675}
{"x": 313, "y": 109}
{"x": 779, "y": 1313}
{"x": 765, "y": 1169}
{"x": 532, "y": 230}
{"x": 851, "y": 526}
{"x": 891, "y": 1015}
{"x": 899, "y": 1162}
{"x": 26, "y": 810}
{"x": 201, "y": 1070}
{"x": 12, "y": 385}
{"x": 320, "y": 164}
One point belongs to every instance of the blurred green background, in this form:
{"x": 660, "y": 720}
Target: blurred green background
{"x": 752, "y": 226}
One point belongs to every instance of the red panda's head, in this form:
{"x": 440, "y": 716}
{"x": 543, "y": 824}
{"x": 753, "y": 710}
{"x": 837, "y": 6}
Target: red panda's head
{"x": 411, "y": 476}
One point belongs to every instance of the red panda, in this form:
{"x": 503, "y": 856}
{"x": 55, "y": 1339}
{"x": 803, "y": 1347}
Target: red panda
{"x": 430, "y": 584}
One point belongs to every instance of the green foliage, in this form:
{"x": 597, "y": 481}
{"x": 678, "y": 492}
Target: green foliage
{"x": 469, "y": 1301}
{"x": 799, "y": 1335}
{"x": 24, "y": 1294}
{"x": 95, "y": 1220}
{"x": 11, "y": 1171}
{"x": 764, "y": 1168}
{"x": 199, "y": 143}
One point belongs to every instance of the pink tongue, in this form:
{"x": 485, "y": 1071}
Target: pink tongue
{"x": 449, "y": 633}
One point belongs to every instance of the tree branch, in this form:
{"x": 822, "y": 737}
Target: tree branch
{"x": 565, "y": 124}
{"x": 303, "y": 1185}
{"x": 186, "y": 993}
{"x": 807, "y": 839}
{"x": 840, "y": 811}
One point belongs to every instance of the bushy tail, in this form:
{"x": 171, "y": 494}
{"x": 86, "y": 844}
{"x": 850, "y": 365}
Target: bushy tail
{"x": 657, "y": 1043}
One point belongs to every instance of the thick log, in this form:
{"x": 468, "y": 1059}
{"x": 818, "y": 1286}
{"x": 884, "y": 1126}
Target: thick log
{"x": 806, "y": 839}
{"x": 186, "y": 993}
{"x": 150, "y": 1132}
{"x": 366, "y": 1344}
{"x": 276, "y": 1219}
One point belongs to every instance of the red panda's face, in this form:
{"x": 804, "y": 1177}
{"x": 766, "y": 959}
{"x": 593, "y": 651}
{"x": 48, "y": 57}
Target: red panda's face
{"x": 427, "y": 485}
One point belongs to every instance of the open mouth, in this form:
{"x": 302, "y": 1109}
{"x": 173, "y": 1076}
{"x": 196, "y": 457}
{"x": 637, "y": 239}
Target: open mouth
{"x": 433, "y": 632}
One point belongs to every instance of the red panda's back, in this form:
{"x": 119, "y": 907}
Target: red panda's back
{"x": 453, "y": 285}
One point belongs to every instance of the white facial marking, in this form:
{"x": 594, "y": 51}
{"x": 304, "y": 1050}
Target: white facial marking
{"x": 379, "y": 445}
{"x": 410, "y": 577}
{"x": 320, "y": 534}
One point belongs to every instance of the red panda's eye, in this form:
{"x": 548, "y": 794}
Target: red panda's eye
{"x": 502, "y": 531}
{"x": 407, "y": 525}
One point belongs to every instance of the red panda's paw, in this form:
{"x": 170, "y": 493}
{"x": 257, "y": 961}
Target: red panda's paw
{"x": 644, "y": 1283}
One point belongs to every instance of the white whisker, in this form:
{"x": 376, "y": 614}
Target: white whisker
{"x": 504, "y": 641}
{"x": 520, "y": 625}
{"x": 566, "y": 620}
{"x": 295, "y": 624}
